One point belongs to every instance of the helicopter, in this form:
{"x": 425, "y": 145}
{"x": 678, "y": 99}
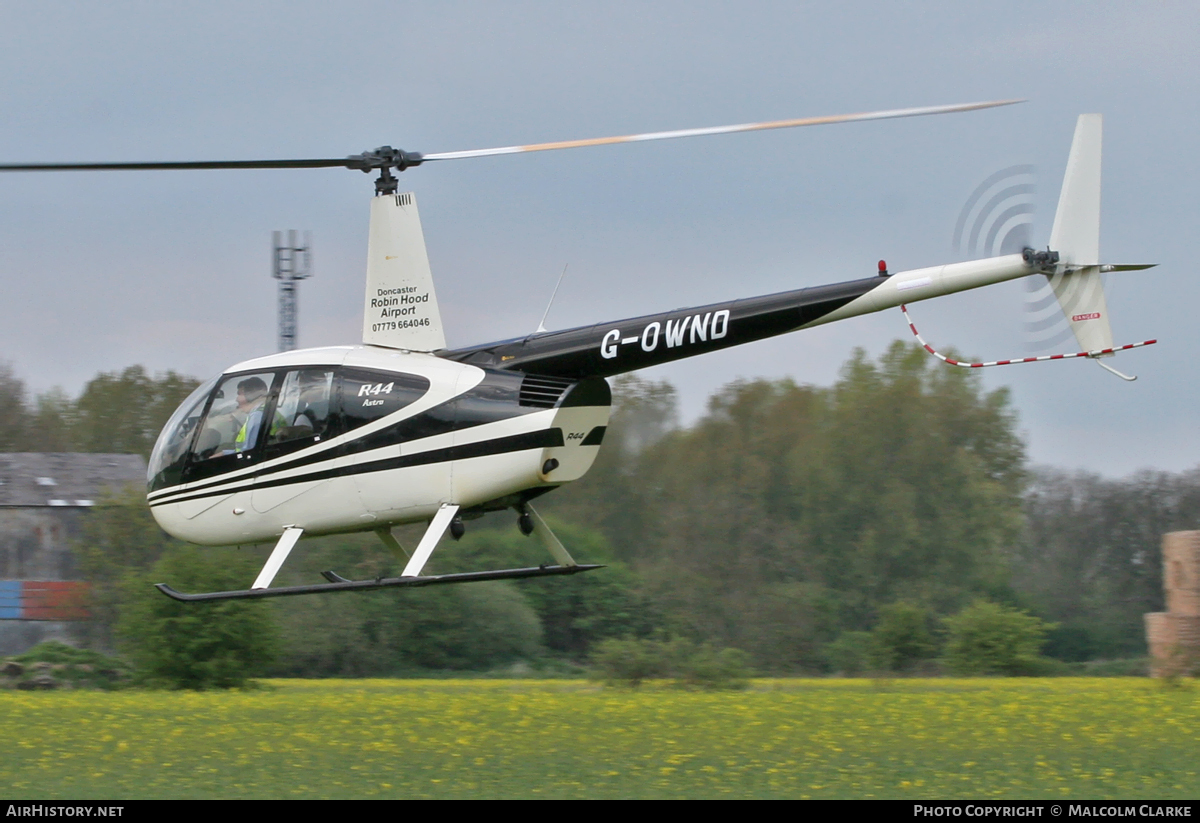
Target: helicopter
{"x": 401, "y": 429}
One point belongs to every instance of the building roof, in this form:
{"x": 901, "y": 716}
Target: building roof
{"x": 66, "y": 479}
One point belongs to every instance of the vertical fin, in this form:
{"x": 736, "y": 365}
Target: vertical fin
{"x": 1076, "y": 232}
{"x": 400, "y": 309}
{"x": 1076, "y": 237}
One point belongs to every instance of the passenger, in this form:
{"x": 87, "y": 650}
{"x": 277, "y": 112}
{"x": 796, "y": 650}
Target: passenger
{"x": 314, "y": 401}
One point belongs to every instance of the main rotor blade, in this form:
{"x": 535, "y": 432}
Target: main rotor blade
{"x": 204, "y": 164}
{"x": 385, "y": 157}
{"x": 669, "y": 135}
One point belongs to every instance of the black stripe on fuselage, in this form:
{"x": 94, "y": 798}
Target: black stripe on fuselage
{"x": 542, "y": 439}
{"x": 581, "y": 352}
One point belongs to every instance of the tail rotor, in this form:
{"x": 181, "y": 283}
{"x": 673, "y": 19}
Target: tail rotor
{"x": 997, "y": 218}
{"x": 1065, "y": 297}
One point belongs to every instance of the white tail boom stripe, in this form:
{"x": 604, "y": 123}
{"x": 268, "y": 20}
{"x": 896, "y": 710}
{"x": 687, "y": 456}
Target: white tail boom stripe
{"x": 951, "y": 361}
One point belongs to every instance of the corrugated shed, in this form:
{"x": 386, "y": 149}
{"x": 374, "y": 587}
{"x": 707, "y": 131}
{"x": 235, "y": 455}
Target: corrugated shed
{"x": 65, "y": 479}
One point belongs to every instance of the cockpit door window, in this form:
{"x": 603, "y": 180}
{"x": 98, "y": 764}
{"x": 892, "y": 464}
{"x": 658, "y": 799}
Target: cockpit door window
{"x": 303, "y": 412}
{"x": 236, "y": 421}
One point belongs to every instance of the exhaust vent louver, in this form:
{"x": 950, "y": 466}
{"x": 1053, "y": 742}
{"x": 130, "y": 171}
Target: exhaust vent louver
{"x": 542, "y": 392}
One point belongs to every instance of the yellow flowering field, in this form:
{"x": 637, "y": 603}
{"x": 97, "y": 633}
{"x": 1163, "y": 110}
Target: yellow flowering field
{"x": 1002, "y": 738}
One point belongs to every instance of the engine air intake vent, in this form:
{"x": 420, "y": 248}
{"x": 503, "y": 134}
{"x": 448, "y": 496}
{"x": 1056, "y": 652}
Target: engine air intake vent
{"x": 543, "y": 392}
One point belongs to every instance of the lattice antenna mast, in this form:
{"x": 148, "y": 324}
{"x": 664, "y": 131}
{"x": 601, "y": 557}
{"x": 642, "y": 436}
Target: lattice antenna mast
{"x": 290, "y": 263}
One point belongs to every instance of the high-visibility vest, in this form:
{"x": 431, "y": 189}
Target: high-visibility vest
{"x": 248, "y": 433}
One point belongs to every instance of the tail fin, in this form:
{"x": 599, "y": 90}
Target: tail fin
{"x": 1076, "y": 238}
{"x": 401, "y": 310}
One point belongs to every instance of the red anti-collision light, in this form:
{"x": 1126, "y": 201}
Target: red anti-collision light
{"x": 882, "y": 266}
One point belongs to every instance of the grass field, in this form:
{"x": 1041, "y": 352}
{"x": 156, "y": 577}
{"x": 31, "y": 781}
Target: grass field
{"x": 1018, "y": 738}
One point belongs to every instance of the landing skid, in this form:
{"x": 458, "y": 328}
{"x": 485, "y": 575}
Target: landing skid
{"x": 340, "y": 584}
{"x": 410, "y": 577}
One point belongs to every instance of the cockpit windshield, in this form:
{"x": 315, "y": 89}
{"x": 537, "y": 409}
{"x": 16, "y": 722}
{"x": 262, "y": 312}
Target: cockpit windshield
{"x": 167, "y": 459}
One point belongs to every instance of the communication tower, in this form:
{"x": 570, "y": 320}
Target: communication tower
{"x": 290, "y": 263}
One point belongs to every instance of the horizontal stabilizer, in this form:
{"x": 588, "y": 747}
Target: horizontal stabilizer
{"x": 1128, "y": 267}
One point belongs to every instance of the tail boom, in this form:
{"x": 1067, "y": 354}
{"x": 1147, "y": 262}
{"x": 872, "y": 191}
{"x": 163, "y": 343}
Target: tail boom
{"x": 923, "y": 284}
{"x": 621, "y": 346}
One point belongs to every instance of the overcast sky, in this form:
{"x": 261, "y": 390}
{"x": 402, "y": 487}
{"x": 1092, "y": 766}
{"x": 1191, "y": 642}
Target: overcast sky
{"x": 172, "y": 269}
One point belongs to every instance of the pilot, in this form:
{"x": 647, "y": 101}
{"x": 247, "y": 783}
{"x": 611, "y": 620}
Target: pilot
{"x": 251, "y": 398}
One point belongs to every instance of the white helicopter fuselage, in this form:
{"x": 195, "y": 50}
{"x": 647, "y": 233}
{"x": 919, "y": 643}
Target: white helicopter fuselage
{"x": 464, "y": 435}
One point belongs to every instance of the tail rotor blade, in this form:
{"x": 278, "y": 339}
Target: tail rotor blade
{"x": 998, "y": 216}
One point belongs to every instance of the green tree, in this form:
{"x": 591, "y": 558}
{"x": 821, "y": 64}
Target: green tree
{"x": 853, "y": 653}
{"x": 205, "y": 645}
{"x": 629, "y": 661}
{"x": 124, "y": 412}
{"x": 708, "y": 667}
{"x": 1090, "y": 557}
{"x": 902, "y": 637}
{"x": 465, "y": 627}
{"x": 122, "y": 552}
{"x": 789, "y": 514}
{"x": 474, "y": 626}
{"x": 118, "y": 537}
{"x": 575, "y": 612}
{"x": 118, "y": 412}
{"x": 987, "y": 638}
{"x": 632, "y": 661}
{"x": 610, "y": 497}
{"x": 14, "y": 416}
{"x": 52, "y": 423}
{"x": 913, "y": 488}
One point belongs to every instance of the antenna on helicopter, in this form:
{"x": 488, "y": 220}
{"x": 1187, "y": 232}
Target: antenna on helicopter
{"x": 291, "y": 263}
{"x": 542, "y": 325}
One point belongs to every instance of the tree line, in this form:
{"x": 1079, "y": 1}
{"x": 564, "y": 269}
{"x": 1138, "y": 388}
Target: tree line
{"x": 815, "y": 529}
{"x": 116, "y": 413}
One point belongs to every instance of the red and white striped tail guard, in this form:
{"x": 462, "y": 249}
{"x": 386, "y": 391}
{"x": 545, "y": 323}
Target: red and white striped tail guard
{"x": 960, "y": 364}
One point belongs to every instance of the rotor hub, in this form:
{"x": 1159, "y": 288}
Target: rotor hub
{"x": 384, "y": 159}
{"x": 1040, "y": 260}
